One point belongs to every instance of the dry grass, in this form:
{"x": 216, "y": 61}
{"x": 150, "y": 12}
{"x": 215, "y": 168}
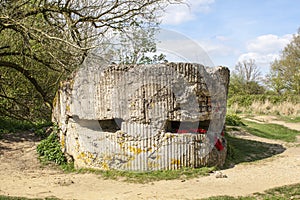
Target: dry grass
{"x": 267, "y": 108}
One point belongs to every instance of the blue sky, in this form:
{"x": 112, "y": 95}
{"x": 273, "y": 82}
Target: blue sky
{"x": 234, "y": 30}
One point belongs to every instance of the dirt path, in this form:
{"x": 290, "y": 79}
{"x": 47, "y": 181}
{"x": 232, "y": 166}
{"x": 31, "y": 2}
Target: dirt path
{"x": 22, "y": 175}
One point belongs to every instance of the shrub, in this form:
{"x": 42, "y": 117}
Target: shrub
{"x": 50, "y": 149}
{"x": 233, "y": 120}
{"x": 248, "y": 100}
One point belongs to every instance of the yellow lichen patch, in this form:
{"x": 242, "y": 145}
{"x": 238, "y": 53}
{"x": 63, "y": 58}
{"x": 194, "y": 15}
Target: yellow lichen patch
{"x": 152, "y": 105}
{"x": 175, "y": 162}
{"x": 135, "y": 150}
{"x": 104, "y": 166}
{"x": 68, "y": 109}
{"x": 132, "y": 105}
{"x": 152, "y": 165}
{"x": 86, "y": 157}
{"x": 81, "y": 155}
{"x": 169, "y": 135}
{"x": 90, "y": 155}
{"x": 121, "y": 144}
{"x": 62, "y": 141}
{"x": 72, "y": 81}
{"x": 77, "y": 146}
{"x": 55, "y": 100}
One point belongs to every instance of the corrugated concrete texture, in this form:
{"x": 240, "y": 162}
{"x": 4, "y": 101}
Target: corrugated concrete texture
{"x": 143, "y": 117}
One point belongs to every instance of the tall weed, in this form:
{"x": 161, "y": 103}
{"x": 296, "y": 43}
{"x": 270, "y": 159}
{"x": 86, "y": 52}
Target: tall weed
{"x": 263, "y": 104}
{"x": 50, "y": 149}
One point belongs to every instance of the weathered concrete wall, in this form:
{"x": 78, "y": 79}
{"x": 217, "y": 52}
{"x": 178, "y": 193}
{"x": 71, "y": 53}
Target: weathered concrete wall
{"x": 143, "y": 118}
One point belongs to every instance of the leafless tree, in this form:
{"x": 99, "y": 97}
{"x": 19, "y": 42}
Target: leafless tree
{"x": 247, "y": 70}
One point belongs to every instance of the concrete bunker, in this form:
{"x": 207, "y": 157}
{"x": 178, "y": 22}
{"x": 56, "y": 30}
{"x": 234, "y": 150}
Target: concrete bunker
{"x": 143, "y": 117}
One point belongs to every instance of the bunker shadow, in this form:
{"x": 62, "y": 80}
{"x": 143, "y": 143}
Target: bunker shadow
{"x": 20, "y": 136}
{"x": 9, "y": 139}
{"x": 243, "y": 150}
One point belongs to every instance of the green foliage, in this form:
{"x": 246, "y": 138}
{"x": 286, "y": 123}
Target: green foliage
{"x": 274, "y": 78}
{"x": 247, "y": 100}
{"x": 233, "y": 120}
{"x": 271, "y": 131}
{"x": 50, "y": 149}
{"x": 285, "y": 73}
{"x": 136, "y": 45}
{"x": 28, "y": 74}
{"x": 239, "y": 87}
{"x": 245, "y": 79}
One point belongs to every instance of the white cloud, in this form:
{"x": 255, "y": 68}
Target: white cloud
{"x": 268, "y": 43}
{"x": 265, "y": 49}
{"x": 261, "y": 59}
{"x": 179, "y": 13}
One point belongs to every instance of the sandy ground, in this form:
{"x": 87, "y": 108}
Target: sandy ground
{"x": 21, "y": 174}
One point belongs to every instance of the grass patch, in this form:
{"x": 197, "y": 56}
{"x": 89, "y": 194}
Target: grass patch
{"x": 271, "y": 131}
{"x": 290, "y": 119}
{"x": 285, "y": 192}
{"x": 152, "y": 176}
{"x": 139, "y": 177}
{"x": 280, "y": 193}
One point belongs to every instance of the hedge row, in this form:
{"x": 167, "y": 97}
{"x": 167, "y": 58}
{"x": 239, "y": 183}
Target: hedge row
{"x": 247, "y": 100}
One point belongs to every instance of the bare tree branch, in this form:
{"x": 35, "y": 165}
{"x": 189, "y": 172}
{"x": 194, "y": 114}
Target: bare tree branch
{"x": 247, "y": 70}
